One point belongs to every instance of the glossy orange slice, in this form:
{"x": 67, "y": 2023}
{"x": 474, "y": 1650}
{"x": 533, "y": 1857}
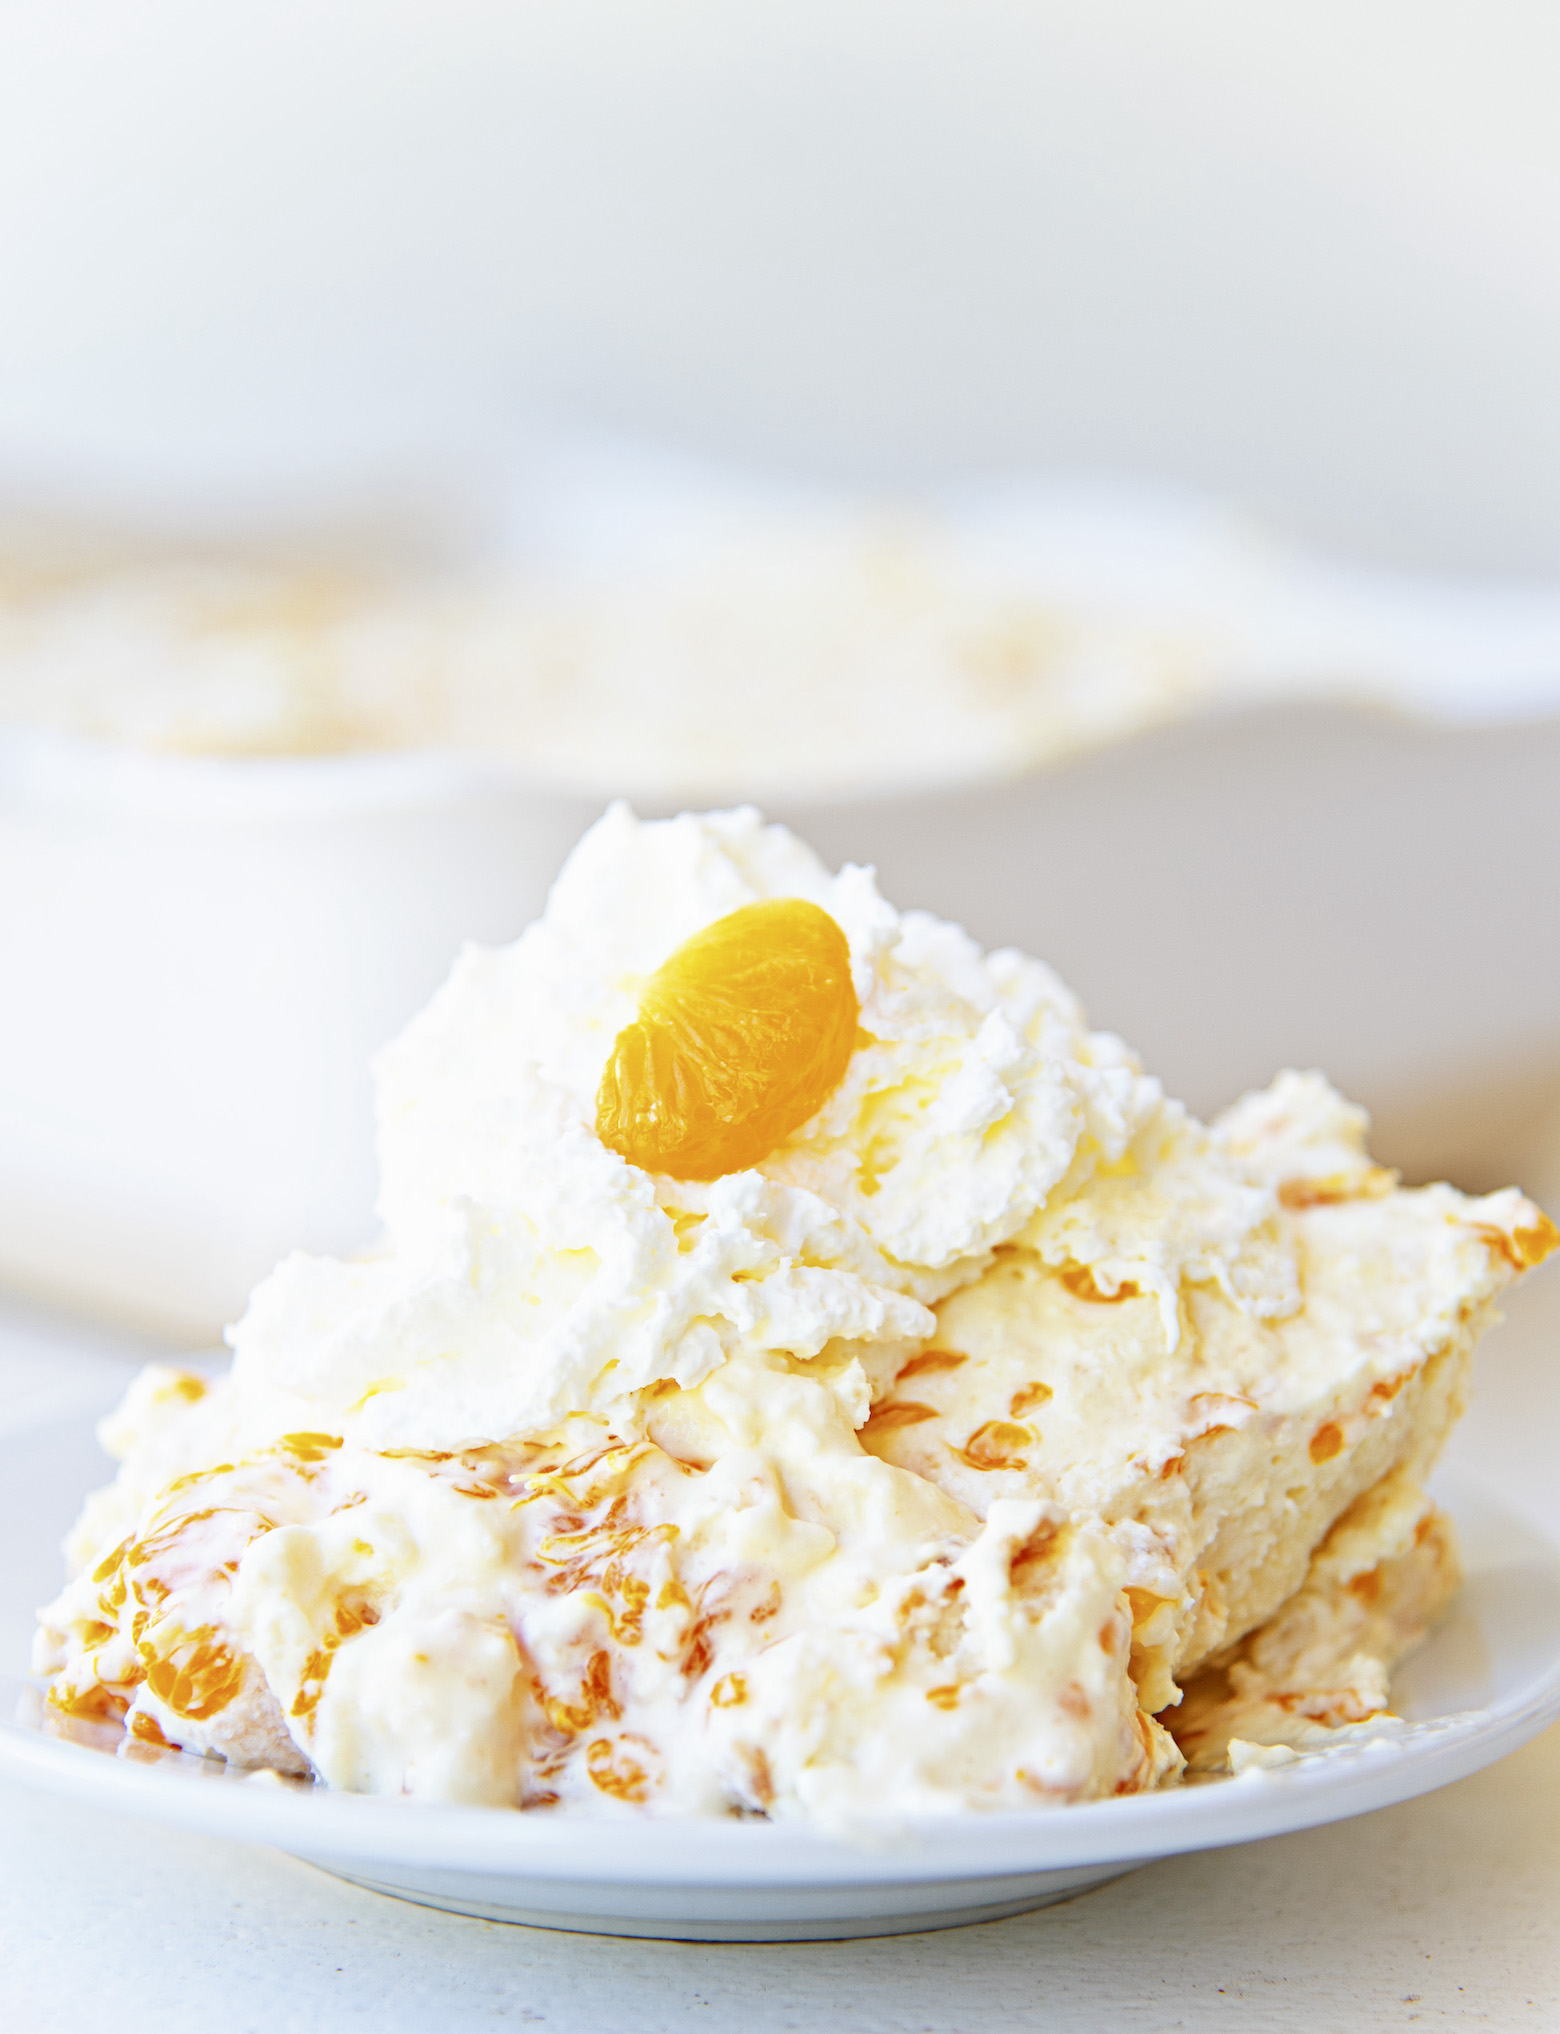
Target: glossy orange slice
{"x": 742, "y": 1035}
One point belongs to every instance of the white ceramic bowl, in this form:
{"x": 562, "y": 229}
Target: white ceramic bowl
{"x": 200, "y": 959}
{"x": 1487, "y": 1682}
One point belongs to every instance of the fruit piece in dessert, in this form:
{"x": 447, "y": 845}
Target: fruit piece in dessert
{"x": 741, "y": 1037}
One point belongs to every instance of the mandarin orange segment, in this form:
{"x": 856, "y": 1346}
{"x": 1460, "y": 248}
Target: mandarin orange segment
{"x": 742, "y": 1035}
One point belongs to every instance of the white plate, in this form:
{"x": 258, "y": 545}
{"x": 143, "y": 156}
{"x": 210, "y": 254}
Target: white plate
{"x": 1487, "y": 1682}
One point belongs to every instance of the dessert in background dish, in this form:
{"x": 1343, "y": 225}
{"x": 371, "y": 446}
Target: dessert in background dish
{"x": 806, "y": 1372}
{"x": 620, "y": 620}
{"x": 903, "y": 658}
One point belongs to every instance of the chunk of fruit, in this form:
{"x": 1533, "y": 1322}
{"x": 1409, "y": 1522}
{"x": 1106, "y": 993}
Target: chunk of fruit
{"x": 742, "y": 1035}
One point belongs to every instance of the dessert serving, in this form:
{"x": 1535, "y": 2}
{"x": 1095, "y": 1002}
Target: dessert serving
{"x": 805, "y": 1372}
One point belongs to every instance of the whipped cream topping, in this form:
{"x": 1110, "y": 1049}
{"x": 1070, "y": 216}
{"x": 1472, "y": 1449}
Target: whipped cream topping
{"x": 529, "y": 1273}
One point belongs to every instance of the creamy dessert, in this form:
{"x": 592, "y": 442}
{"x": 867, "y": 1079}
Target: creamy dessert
{"x": 906, "y": 659}
{"x": 806, "y": 1371}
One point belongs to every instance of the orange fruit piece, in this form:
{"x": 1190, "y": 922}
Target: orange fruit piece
{"x": 742, "y": 1035}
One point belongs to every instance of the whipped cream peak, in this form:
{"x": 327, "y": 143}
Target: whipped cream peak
{"x": 527, "y": 1272}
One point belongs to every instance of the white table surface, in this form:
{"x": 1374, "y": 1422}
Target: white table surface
{"x": 1441, "y": 1913}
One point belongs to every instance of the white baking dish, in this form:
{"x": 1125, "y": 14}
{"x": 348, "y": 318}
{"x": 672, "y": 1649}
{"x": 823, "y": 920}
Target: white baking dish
{"x": 200, "y": 958}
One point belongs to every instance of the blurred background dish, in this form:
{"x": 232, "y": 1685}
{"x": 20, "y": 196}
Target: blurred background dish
{"x": 635, "y": 620}
{"x": 202, "y": 955}
{"x": 1101, "y": 465}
